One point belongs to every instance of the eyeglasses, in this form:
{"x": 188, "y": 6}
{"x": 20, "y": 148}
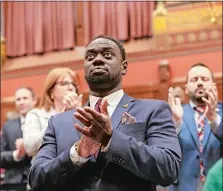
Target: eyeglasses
{"x": 66, "y": 83}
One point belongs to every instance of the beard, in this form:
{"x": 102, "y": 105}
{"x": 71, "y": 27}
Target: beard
{"x": 198, "y": 98}
{"x": 102, "y": 79}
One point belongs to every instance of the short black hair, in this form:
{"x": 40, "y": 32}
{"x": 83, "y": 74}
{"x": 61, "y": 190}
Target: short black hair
{"x": 201, "y": 65}
{"x": 117, "y": 42}
{"x": 29, "y": 89}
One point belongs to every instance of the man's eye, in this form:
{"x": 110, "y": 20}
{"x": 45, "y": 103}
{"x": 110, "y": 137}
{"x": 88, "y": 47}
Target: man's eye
{"x": 89, "y": 56}
{"x": 205, "y": 79}
{"x": 193, "y": 79}
{"x": 108, "y": 54}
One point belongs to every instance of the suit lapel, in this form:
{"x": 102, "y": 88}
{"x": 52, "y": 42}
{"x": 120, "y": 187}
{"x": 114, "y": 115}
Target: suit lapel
{"x": 18, "y": 128}
{"x": 207, "y": 132}
{"x": 124, "y": 105}
{"x": 190, "y": 123}
{"x": 207, "y": 129}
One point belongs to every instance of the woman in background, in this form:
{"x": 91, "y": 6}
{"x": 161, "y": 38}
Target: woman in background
{"x": 60, "y": 94}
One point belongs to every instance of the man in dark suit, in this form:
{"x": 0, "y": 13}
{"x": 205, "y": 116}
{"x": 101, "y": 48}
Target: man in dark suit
{"x": 13, "y": 154}
{"x": 196, "y": 121}
{"x": 114, "y": 143}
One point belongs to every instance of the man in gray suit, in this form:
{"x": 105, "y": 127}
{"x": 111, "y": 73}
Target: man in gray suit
{"x": 13, "y": 154}
{"x": 115, "y": 142}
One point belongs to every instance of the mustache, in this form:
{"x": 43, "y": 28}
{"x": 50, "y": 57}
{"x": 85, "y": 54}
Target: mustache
{"x": 200, "y": 88}
{"x": 98, "y": 67}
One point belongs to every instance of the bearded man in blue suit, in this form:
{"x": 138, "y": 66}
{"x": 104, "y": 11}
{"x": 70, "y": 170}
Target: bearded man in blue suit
{"x": 115, "y": 142}
{"x": 196, "y": 123}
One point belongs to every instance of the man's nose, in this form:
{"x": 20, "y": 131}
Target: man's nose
{"x": 70, "y": 87}
{"x": 199, "y": 82}
{"x": 99, "y": 60}
{"x": 21, "y": 102}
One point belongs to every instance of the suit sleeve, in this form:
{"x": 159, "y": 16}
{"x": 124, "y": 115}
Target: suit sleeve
{"x": 51, "y": 171}
{"x": 7, "y": 161}
{"x": 156, "y": 160}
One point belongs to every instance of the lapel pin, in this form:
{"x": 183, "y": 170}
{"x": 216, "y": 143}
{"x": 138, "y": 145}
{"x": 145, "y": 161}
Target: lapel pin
{"x": 125, "y": 105}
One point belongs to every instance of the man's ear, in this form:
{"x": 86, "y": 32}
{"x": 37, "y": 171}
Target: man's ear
{"x": 186, "y": 91}
{"x": 124, "y": 67}
{"x": 34, "y": 102}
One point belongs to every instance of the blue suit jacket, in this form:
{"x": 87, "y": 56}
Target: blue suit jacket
{"x": 188, "y": 137}
{"x": 140, "y": 155}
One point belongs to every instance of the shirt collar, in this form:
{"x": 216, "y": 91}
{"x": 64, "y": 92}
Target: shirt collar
{"x": 192, "y": 104}
{"x": 22, "y": 119}
{"x": 52, "y": 111}
{"x": 113, "y": 99}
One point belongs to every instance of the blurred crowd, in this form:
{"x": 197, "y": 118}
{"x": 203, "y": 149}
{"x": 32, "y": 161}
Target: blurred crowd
{"x": 198, "y": 125}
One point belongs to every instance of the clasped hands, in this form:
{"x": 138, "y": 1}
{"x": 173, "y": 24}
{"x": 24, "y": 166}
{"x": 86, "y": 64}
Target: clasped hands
{"x": 211, "y": 104}
{"x": 20, "y": 149}
{"x": 97, "y": 129}
{"x": 72, "y": 100}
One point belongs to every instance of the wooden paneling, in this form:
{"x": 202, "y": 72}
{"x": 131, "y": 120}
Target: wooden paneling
{"x": 79, "y": 36}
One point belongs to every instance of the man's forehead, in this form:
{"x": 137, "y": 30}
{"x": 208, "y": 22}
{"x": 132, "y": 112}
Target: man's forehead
{"x": 199, "y": 70}
{"x": 102, "y": 43}
{"x": 22, "y": 92}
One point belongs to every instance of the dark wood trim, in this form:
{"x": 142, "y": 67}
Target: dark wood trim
{"x": 133, "y": 57}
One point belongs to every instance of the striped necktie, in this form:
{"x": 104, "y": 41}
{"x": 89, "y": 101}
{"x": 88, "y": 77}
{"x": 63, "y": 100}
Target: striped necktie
{"x": 98, "y": 109}
{"x": 200, "y": 130}
{"x": 98, "y": 105}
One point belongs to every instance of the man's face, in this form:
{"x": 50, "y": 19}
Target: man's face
{"x": 164, "y": 74}
{"x": 24, "y": 101}
{"x": 199, "y": 80}
{"x": 103, "y": 64}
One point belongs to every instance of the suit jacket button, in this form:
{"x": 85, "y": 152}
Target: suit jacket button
{"x": 64, "y": 174}
{"x": 95, "y": 178}
{"x": 198, "y": 157}
{"x": 196, "y": 175}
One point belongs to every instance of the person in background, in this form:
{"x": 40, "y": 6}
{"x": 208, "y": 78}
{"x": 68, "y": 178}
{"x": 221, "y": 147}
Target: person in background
{"x": 115, "y": 142}
{"x": 194, "y": 121}
{"x": 60, "y": 93}
{"x": 214, "y": 178}
{"x": 14, "y": 158}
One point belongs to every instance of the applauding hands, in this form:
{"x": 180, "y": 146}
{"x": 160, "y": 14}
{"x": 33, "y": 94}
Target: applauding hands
{"x": 97, "y": 128}
{"x": 176, "y": 107}
{"x": 72, "y": 101}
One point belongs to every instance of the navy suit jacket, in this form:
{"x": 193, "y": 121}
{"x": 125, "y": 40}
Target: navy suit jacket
{"x": 140, "y": 155}
{"x": 16, "y": 172}
{"x": 188, "y": 137}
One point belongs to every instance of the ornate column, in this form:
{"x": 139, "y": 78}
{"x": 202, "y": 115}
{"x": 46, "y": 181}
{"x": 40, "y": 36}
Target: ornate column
{"x": 3, "y": 42}
{"x": 160, "y": 26}
{"x": 3, "y": 51}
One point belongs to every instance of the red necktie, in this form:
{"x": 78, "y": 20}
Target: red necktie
{"x": 98, "y": 109}
{"x": 98, "y": 105}
{"x": 200, "y": 131}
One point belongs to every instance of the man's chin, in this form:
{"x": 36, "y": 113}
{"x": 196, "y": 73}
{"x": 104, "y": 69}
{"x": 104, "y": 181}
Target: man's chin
{"x": 98, "y": 79}
{"x": 199, "y": 98}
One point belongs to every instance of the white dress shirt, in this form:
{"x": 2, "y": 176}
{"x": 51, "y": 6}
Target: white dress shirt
{"x": 113, "y": 100}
